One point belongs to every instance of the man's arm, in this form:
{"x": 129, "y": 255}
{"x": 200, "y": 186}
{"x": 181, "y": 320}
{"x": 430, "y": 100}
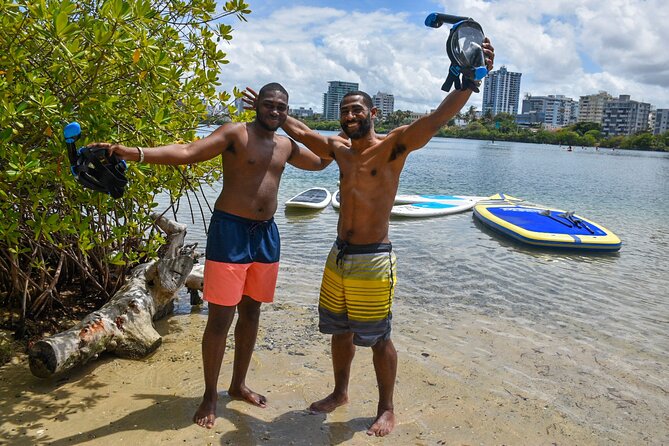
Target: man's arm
{"x": 174, "y": 154}
{"x": 317, "y": 143}
{"x": 419, "y": 133}
{"x": 306, "y": 159}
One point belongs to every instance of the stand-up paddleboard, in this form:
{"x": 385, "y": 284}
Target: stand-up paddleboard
{"x": 444, "y": 206}
{"x": 541, "y": 226}
{"x": 314, "y": 198}
{"x": 427, "y": 198}
{"x": 335, "y": 199}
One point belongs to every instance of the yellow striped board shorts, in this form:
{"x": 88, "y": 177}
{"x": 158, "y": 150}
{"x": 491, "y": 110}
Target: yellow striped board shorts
{"x": 357, "y": 292}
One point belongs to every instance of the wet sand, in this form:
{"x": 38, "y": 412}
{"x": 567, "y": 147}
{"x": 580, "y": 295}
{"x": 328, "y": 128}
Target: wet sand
{"x": 463, "y": 381}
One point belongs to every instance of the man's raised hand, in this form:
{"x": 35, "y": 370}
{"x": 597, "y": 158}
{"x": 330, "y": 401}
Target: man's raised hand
{"x": 249, "y": 98}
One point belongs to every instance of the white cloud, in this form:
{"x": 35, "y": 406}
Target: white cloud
{"x": 544, "y": 40}
{"x": 570, "y": 47}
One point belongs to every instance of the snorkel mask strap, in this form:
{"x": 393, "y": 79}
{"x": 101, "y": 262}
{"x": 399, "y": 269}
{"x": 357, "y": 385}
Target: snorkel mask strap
{"x": 452, "y": 79}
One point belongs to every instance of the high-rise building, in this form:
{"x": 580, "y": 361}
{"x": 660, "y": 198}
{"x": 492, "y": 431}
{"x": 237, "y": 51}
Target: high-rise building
{"x": 661, "y": 121}
{"x": 623, "y": 116}
{"x": 591, "y": 107}
{"x": 501, "y": 92}
{"x": 302, "y": 112}
{"x": 239, "y": 105}
{"x": 334, "y": 95}
{"x": 555, "y": 110}
{"x": 385, "y": 103}
{"x": 651, "y": 119}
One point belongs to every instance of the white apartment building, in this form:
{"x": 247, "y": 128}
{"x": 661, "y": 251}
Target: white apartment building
{"x": 501, "y": 92}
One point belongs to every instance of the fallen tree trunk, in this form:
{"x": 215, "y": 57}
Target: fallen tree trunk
{"x": 195, "y": 283}
{"x": 124, "y": 325}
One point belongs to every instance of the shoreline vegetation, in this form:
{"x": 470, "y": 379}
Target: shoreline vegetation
{"x": 502, "y": 127}
{"x": 122, "y": 71}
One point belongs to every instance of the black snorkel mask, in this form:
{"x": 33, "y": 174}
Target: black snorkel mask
{"x": 464, "y": 48}
{"x": 94, "y": 168}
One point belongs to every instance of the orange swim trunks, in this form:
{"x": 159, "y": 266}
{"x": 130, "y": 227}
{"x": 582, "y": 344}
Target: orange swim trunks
{"x": 242, "y": 259}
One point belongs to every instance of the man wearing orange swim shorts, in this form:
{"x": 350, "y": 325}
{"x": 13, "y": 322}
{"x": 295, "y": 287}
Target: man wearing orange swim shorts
{"x": 243, "y": 243}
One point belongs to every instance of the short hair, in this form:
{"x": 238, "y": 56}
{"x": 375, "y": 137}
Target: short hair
{"x": 366, "y": 99}
{"x": 272, "y": 86}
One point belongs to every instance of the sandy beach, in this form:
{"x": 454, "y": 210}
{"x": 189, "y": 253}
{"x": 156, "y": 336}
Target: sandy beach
{"x": 459, "y": 383}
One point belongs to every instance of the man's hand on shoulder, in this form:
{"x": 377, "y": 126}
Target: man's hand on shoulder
{"x": 342, "y": 138}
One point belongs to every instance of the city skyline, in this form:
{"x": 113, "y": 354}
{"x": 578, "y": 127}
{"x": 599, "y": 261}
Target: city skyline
{"x": 567, "y": 47}
{"x": 617, "y": 116}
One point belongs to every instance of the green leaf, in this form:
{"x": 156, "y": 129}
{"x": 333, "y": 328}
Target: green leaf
{"x": 53, "y": 218}
{"x": 61, "y": 23}
{"x": 6, "y": 134}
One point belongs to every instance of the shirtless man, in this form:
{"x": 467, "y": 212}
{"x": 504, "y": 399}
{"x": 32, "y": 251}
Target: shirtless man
{"x": 242, "y": 254}
{"x": 359, "y": 278}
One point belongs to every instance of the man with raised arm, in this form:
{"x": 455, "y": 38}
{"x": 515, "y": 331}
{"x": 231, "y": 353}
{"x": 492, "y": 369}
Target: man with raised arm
{"x": 359, "y": 278}
{"x": 242, "y": 254}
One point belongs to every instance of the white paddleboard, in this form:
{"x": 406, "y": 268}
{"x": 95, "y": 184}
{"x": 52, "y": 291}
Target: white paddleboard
{"x": 314, "y": 198}
{"x": 426, "y": 198}
{"x": 433, "y": 208}
{"x": 335, "y": 199}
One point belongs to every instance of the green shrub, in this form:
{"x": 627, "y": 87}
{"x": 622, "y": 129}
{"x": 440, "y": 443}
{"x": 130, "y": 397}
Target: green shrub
{"x": 139, "y": 72}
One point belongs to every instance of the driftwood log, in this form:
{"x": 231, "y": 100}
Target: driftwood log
{"x": 124, "y": 325}
{"x": 195, "y": 283}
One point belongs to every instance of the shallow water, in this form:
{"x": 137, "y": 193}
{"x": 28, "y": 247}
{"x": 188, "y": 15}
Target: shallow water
{"x": 453, "y": 262}
{"x": 613, "y": 305}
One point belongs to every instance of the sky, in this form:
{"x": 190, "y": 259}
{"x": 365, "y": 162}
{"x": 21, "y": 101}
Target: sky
{"x": 561, "y": 47}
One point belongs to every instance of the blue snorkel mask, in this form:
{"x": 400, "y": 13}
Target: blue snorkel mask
{"x": 465, "y": 50}
{"x": 93, "y": 167}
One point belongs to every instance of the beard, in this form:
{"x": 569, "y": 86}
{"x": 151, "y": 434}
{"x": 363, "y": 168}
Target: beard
{"x": 266, "y": 126}
{"x": 364, "y": 126}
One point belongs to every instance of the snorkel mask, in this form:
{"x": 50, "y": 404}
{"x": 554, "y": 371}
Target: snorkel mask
{"x": 94, "y": 168}
{"x": 464, "y": 48}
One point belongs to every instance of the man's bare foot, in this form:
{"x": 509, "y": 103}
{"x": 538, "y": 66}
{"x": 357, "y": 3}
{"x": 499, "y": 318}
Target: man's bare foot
{"x": 205, "y": 416}
{"x": 328, "y": 404}
{"x": 248, "y": 395}
{"x": 383, "y": 425}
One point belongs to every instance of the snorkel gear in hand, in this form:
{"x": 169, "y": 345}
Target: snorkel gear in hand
{"x": 94, "y": 168}
{"x": 464, "y": 48}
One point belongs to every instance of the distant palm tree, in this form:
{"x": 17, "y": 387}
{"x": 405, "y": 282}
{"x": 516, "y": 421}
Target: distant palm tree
{"x": 470, "y": 115}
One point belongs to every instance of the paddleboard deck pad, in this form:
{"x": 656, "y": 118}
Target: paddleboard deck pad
{"x": 541, "y": 226}
{"x": 427, "y": 198}
{"x": 314, "y": 198}
{"x": 452, "y": 205}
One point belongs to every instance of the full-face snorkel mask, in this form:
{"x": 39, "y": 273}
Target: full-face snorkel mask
{"x": 94, "y": 168}
{"x": 464, "y": 48}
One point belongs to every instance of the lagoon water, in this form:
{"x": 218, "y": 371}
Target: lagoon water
{"x": 450, "y": 268}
